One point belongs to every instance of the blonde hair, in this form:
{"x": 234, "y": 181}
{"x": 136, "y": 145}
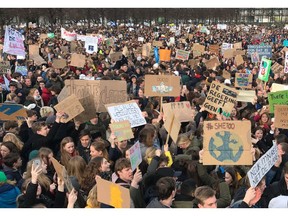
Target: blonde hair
{"x": 92, "y": 201}
{"x": 14, "y": 139}
{"x": 182, "y": 138}
{"x": 150, "y": 153}
{"x": 45, "y": 111}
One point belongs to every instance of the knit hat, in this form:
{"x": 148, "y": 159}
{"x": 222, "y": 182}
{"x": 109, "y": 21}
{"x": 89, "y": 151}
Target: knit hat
{"x": 3, "y": 177}
{"x": 33, "y": 154}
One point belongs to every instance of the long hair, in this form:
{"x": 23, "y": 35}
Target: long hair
{"x": 76, "y": 167}
{"x": 92, "y": 201}
{"x": 13, "y": 138}
{"x": 65, "y": 156}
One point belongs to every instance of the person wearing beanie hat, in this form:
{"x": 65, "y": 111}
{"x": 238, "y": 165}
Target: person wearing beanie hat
{"x": 8, "y": 193}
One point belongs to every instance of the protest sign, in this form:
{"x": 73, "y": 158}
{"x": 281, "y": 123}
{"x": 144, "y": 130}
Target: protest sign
{"x": 126, "y": 111}
{"x": 146, "y": 49}
{"x": 246, "y": 95}
{"x": 112, "y": 194}
{"x": 64, "y": 49}
{"x": 279, "y": 97}
{"x": 162, "y": 85}
{"x": 91, "y": 44}
{"x": 193, "y": 62}
{"x": 59, "y": 63}
{"x": 12, "y": 112}
{"x": 220, "y": 99}
{"x": 212, "y": 63}
{"x": 198, "y": 47}
{"x": 104, "y": 91}
{"x": 226, "y": 74}
{"x": 38, "y": 60}
{"x": 262, "y": 166}
{"x": 13, "y": 42}
{"x": 285, "y": 43}
{"x": 262, "y": 50}
{"x": 21, "y": 69}
{"x": 116, "y": 56}
{"x": 122, "y": 130}
{"x": 89, "y": 109}
{"x": 182, "y": 54}
{"x": 73, "y": 46}
{"x": 157, "y": 43}
{"x": 33, "y": 50}
{"x": 228, "y": 53}
{"x": 225, "y": 46}
{"x": 264, "y": 71}
{"x": 109, "y": 42}
{"x": 281, "y": 116}
{"x": 239, "y": 52}
{"x": 227, "y": 143}
{"x": 214, "y": 49}
{"x": 135, "y": 155}
{"x": 68, "y": 36}
{"x": 278, "y": 87}
{"x": 165, "y": 55}
{"x": 239, "y": 60}
{"x": 286, "y": 62}
{"x": 277, "y": 68}
{"x": 182, "y": 110}
{"x": 78, "y": 60}
{"x": 172, "y": 125}
{"x": 243, "y": 80}
{"x": 71, "y": 106}
{"x": 50, "y": 35}
{"x": 238, "y": 45}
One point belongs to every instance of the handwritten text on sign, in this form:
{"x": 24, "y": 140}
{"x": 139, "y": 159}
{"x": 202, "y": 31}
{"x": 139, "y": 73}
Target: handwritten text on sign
{"x": 135, "y": 155}
{"x": 128, "y": 111}
{"x": 262, "y": 166}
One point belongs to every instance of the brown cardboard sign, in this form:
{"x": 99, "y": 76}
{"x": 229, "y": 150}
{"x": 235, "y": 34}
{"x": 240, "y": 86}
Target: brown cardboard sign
{"x": 33, "y": 50}
{"x": 239, "y": 60}
{"x": 122, "y": 130}
{"x": 64, "y": 49}
{"x": 172, "y": 126}
{"x": 112, "y": 194}
{"x": 73, "y": 46}
{"x": 193, "y": 62}
{"x": 227, "y": 143}
{"x": 59, "y": 63}
{"x": 226, "y": 74}
{"x": 220, "y": 99}
{"x": 146, "y": 49}
{"x": 212, "y": 63}
{"x": 77, "y": 60}
{"x": 38, "y": 60}
{"x": 89, "y": 109}
{"x": 4, "y": 66}
{"x": 246, "y": 95}
{"x": 277, "y": 68}
{"x": 281, "y": 116}
{"x": 198, "y": 47}
{"x": 182, "y": 110}
{"x": 116, "y": 56}
{"x": 229, "y": 53}
{"x": 238, "y": 45}
{"x": 157, "y": 43}
{"x": 239, "y": 52}
{"x": 243, "y": 80}
{"x": 71, "y": 106}
{"x": 214, "y": 49}
{"x": 162, "y": 85}
{"x": 12, "y": 112}
{"x": 104, "y": 91}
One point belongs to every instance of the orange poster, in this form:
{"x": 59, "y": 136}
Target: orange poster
{"x": 165, "y": 55}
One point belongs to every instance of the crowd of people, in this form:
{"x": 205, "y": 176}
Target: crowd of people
{"x": 171, "y": 174}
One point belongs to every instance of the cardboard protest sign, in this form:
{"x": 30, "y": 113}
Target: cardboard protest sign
{"x": 279, "y": 97}
{"x": 225, "y": 46}
{"x": 172, "y": 125}
{"x": 214, "y": 49}
{"x": 198, "y": 47}
{"x": 146, "y": 49}
{"x": 109, "y": 42}
{"x": 64, "y": 49}
{"x": 246, "y": 95}
{"x": 71, "y": 106}
{"x": 239, "y": 60}
{"x": 89, "y": 109}
{"x": 278, "y": 87}
{"x": 238, "y": 45}
{"x": 12, "y": 112}
{"x": 243, "y": 80}
{"x": 59, "y": 63}
{"x": 33, "y": 50}
{"x": 116, "y": 56}
{"x": 122, "y": 130}
{"x": 162, "y": 85}
{"x": 104, "y": 91}
{"x": 229, "y": 53}
{"x": 226, "y": 74}
{"x": 38, "y": 60}
{"x": 281, "y": 116}
{"x": 277, "y": 68}
{"x": 73, "y": 46}
{"x": 239, "y": 52}
{"x": 4, "y": 66}
{"x": 68, "y": 36}
{"x": 286, "y": 62}
{"x": 262, "y": 166}
{"x": 157, "y": 43}
{"x": 135, "y": 155}
{"x": 212, "y": 63}
{"x": 227, "y": 143}
{"x": 112, "y": 194}
{"x": 196, "y": 53}
{"x": 77, "y": 60}
{"x": 264, "y": 71}
{"x": 182, "y": 110}
{"x": 165, "y": 55}
{"x": 193, "y": 62}
{"x": 182, "y": 54}
{"x": 220, "y": 99}
{"x": 125, "y": 51}
{"x": 58, "y": 167}
{"x": 126, "y": 111}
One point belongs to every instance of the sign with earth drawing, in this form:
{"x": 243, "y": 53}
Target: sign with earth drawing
{"x": 227, "y": 143}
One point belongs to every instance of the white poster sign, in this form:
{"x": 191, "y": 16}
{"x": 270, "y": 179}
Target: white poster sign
{"x": 68, "y": 36}
{"x": 13, "y": 42}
